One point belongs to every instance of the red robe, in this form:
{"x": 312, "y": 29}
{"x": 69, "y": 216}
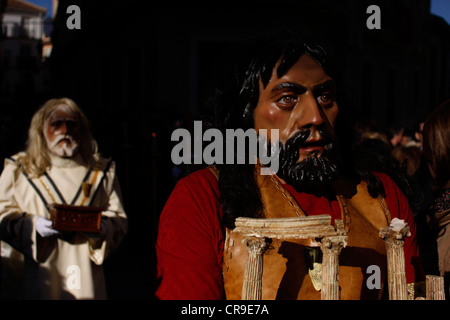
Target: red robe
{"x": 191, "y": 236}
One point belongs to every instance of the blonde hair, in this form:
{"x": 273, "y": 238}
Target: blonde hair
{"x": 35, "y": 160}
{"x": 375, "y": 135}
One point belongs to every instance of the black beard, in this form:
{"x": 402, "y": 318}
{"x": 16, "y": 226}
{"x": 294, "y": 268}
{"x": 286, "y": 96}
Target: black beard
{"x": 314, "y": 170}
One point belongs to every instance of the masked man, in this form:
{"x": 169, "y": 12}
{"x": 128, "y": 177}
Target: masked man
{"x": 60, "y": 166}
{"x": 286, "y": 85}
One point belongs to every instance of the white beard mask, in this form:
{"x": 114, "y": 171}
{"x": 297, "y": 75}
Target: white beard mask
{"x": 65, "y": 150}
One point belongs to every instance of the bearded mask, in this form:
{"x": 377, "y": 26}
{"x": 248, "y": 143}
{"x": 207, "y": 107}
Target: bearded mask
{"x": 316, "y": 169}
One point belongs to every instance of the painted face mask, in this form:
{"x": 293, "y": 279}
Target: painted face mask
{"x": 61, "y": 132}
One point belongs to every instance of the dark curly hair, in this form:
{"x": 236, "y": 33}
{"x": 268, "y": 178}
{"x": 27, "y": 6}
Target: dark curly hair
{"x": 231, "y": 107}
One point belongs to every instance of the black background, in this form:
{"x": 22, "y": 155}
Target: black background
{"x": 140, "y": 69}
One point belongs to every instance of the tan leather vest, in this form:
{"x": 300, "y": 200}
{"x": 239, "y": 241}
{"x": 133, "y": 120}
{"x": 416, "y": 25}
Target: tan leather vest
{"x": 285, "y": 270}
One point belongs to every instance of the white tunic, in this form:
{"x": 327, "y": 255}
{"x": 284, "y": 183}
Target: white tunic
{"x": 68, "y": 266}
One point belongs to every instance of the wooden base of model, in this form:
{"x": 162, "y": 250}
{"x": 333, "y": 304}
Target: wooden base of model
{"x": 258, "y": 232}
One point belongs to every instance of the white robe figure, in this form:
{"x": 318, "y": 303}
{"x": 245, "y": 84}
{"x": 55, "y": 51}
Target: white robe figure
{"x": 67, "y": 266}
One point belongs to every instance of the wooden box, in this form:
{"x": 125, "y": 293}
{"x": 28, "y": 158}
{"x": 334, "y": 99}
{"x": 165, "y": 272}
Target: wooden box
{"x": 75, "y": 218}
